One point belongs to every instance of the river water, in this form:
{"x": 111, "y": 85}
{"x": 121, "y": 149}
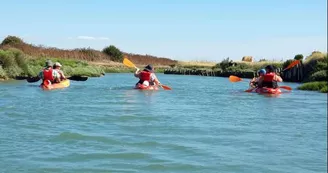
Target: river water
{"x": 205, "y": 124}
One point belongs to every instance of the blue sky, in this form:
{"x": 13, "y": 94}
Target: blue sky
{"x": 178, "y": 29}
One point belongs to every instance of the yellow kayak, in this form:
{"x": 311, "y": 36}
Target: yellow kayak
{"x": 62, "y": 84}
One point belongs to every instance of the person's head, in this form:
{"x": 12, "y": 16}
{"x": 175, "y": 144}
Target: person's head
{"x": 48, "y": 64}
{"x": 57, "y": 65}
{"x": 269, "y": 68}
{"x": 149, "y": 68}
{"x": 261, "y": 72}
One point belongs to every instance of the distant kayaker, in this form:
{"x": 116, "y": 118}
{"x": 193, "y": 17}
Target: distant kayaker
{"x": 48, "y": 74}
{"x": 254, "y": 82}
{"x": 147, "y": 76}
{"x": 270, "y": 79}
{"x": 56, "y": 67}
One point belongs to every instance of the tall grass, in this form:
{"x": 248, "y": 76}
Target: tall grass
{"x": 14, "y": 63}
{"x": 315, "y": 56}
{"x": 85, "y": 54}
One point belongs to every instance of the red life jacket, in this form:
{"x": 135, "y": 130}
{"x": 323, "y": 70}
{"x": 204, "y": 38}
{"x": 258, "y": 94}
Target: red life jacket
{"x": 47, "y": 74}
{"x": 144, "y": 76}
{"x": 269, "y": 77}
{"x": 268, "y": 80}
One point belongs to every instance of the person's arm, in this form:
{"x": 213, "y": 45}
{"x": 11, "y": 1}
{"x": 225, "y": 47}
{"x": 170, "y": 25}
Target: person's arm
{"x": 154, "y": 78}
{"x": 259, "y": 81}
{"x": 278, "y": 78}
{"x": 62, "y": 75}
{"x": 136, "y": 74}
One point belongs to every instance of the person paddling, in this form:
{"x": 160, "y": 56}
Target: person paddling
{"x": 49, "y": 74}
{"x": 254, "y": 82}
{"x": 147, "y": 76}
{"x": 270, "y": 79}
{"x": 57, "y": 67}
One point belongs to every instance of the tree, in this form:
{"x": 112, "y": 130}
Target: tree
{"x": 114, "y": 53}
{"x": 298, "y": 57}
{"x": 11, "y": 40}
{"x": 225, "y": 63}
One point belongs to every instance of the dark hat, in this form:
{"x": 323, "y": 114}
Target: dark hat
{"x": 149, "y": 68}
{"x": 49, "y": 63}
{"x": 270, "y": 68}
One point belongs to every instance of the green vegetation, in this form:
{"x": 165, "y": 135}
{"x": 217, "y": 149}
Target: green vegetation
{"x": 19, "y": 59}
{"x": 316, "y": 64}
{"x": 114, "y": 53}
{"x": 11, "y": 40}
{"x": 230, "y": 66}
{"x": 298, "y": 57}
{"x": 14, "y": 63}
{"x": 315, "y": 86}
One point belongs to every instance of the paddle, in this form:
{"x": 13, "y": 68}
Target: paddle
{"x": 128, "y": 63}
{"x": 292, "y": 64}
{"x": 75, "y": 78}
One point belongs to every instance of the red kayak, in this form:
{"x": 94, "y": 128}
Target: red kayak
{"x": 143, "y": 87}
{"x": 268, "y": 90}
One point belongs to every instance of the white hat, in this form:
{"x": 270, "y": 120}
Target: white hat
{"x": 57, "y": 64}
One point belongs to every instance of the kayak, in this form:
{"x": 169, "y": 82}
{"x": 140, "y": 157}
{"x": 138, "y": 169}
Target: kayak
{"x": 268, "y": 90}
{"x": 143, "y": 87}
{"x": 62, "y": 84}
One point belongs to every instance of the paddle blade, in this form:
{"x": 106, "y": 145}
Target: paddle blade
{"x": 128, "y": 63}
{"x": 166, "y": 87}
{"x": 250, "y": 90}
{"x": 32, "y": 79}
{"x": 78, "y": 78}
{"x": 286, "y": 87}
{"x": 291, "y": 65}
{"x": 234, "y": 78}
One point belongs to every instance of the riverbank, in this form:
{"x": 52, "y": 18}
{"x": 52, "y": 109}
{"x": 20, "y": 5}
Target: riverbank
{"x": 19, "y": 60}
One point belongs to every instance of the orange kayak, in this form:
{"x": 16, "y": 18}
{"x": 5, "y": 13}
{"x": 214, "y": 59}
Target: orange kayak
{"x": 62, "y": 84}
{"x": 268, "y": 90}
{"x": 143, "y": 87}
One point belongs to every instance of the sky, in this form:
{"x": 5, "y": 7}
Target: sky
{"x": 208, "y": 30}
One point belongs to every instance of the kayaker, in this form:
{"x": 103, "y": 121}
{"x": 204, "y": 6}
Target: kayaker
{"x": 57, "y": 67}
{"x": 270, "y": 79}
{"x": 48, "y": 74}
{"x": 147, "y": 76}
{"x": 254, "y": 82}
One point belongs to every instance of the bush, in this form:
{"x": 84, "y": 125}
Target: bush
{"x": 298, "y": 57}
{"x": 2, "y": 73}
{"x": 225, "y": 63}
{"x": 314, "y": 86}
{"x": 286, "y": 63}
{"x": 12, "y": 40}
{"x": 114, "y": 53}
{"x": 316, "y": 55}
{"x": 324, "y": 89}
{"x": 319, "y": 76}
